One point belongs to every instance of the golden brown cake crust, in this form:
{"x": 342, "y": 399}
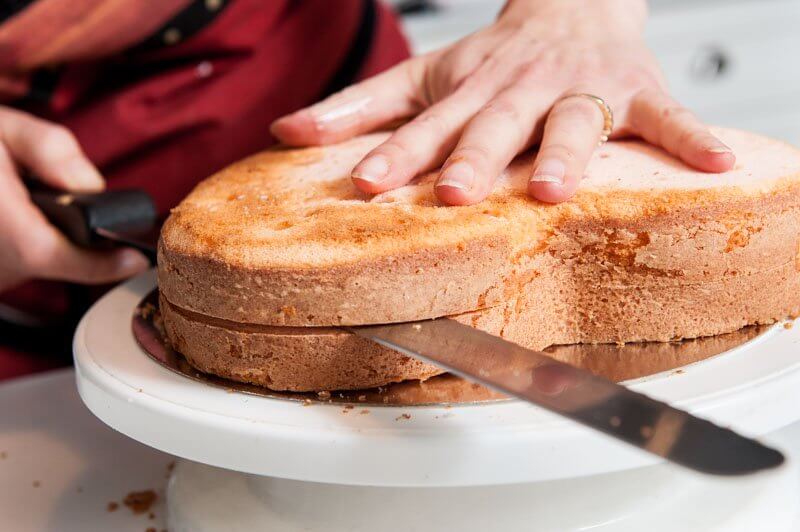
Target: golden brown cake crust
{"x": 648, "y": 250}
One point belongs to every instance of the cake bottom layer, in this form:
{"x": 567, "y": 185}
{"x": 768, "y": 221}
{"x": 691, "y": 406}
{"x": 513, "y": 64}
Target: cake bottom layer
{"x": 551, "y": 309}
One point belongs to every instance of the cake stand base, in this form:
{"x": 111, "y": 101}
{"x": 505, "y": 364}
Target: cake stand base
{"x": 202, "y": 498}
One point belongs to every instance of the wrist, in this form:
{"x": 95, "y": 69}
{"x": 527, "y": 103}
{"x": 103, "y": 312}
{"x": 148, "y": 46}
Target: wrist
{"x": 606, "y": 19}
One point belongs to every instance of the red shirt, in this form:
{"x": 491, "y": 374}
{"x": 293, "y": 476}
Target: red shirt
{"x": 170, "y": 103}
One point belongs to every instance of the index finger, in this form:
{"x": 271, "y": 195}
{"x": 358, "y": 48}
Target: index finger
{"x": 50, "y": 150}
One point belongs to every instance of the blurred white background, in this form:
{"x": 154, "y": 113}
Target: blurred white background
{"x": 734, "y": 62}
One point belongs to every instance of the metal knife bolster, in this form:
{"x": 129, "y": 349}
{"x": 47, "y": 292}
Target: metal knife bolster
{"x": 576, "y": 394}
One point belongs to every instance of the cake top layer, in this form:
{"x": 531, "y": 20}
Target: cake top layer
{"x": 299, "y": 208}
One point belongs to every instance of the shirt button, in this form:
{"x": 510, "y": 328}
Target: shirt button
{"x": 204, "y": 69}
{"x": 213, "y": 5}
{"x": 171, "y": 36}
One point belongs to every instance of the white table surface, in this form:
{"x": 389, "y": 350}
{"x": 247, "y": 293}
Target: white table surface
{"x": 60, "y": 467}
{"x": 48, "y": 437}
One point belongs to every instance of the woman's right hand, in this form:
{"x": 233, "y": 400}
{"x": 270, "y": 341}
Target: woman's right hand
{"x": 32, "y": 248}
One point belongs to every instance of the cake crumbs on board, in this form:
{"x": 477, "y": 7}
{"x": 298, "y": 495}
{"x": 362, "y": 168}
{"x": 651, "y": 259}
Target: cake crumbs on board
{"x": 147, "y": 310}
{"x": 402, "y": 417}
{"x": 140, "y": 502}
{"x": 112, "y": 506}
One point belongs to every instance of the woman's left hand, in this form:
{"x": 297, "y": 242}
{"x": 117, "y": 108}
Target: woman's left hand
{"x": 483, "y": 100}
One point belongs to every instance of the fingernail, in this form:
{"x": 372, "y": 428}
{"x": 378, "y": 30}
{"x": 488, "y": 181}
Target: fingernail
{"x": 549, "y": 171}
{"x": 373, "y": 169}
{"x": 83, "y": 176}
{"x": 130, "y": 262}
{"x": 337, "y": 108}
{"x": 458, "y": 175}
{"x": 719, "y": 149}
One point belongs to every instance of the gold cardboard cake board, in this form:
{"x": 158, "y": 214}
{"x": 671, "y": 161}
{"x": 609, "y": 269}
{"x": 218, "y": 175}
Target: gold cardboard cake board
{"x": 616, "y": 362}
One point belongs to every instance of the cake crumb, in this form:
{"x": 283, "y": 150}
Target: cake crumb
{"x": 3, "y": 455}
{"x": 151, "y": 516}
{"x": 362, "y": 398}
{"x": 307, "y": 402}
{"x": 324, "y": 395}
{"x": 417, "y": 327}
{"x": 36, "y": 483}
{"x": 365, "y": 411}
{"x": 385, "y": 399}
{"x": 112, "y": 506}
{"x": 402, "y": 416}
{"x": 788, "y": 325}
{"x": 140, "y": 502}
{"x": 347, "y": 409}
{"x": 147, "y": 310}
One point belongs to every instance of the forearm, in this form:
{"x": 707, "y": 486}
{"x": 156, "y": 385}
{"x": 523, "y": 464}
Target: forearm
{"x": 611, "y": 19}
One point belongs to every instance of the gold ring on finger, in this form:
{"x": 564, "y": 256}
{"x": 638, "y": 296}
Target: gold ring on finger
{"x": 608, "y": 115}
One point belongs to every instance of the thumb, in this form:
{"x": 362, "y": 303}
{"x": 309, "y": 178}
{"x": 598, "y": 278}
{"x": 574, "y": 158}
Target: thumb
{"x": 95, "y": 267}
{"x": 358, "y": 109}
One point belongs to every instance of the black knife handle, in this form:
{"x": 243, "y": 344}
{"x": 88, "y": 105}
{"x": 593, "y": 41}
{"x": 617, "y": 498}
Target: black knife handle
{"x": 79, "y": 215}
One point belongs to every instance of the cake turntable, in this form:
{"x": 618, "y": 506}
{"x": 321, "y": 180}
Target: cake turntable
{"x": 442, "y": 454}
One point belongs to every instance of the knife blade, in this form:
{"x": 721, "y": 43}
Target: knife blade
{"x": 593, "y": 401}
{"x": 102, "y": 220}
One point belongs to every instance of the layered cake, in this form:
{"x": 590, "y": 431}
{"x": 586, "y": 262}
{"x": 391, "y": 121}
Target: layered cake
{"x": 262, "y": 262}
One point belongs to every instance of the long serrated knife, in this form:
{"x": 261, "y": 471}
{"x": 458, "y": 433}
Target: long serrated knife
{"x": 574, "y": 393}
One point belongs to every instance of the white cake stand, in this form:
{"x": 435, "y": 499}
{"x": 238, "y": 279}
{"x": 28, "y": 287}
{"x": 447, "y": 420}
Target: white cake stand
{"x": 277, "y": 465}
